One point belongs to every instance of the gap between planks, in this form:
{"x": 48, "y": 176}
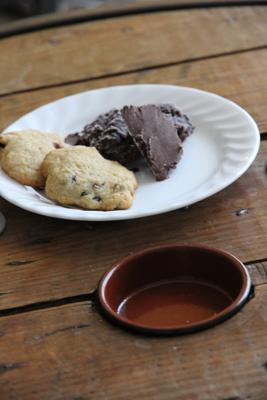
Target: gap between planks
{"x": 230, "y": 29}
{"x": 257, "y": 271}
{"x": 41, "y": 305}
{"x": 72, "y": 353}
{"x": 136, "y": 70}
{"x": 33, "y": 24}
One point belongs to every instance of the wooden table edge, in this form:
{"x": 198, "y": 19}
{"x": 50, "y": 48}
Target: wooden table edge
{"x": 47, "y": 21}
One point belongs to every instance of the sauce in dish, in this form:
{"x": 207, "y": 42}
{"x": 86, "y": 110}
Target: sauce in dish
{"x": 180, "y": 302}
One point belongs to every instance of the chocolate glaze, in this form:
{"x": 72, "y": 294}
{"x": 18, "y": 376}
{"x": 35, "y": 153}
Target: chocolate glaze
{"x": 181, "y": 121}
{"x": 155, "y": 136}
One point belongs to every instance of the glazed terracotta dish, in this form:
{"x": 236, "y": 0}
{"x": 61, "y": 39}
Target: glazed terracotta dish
{"x": 174, "y": 289}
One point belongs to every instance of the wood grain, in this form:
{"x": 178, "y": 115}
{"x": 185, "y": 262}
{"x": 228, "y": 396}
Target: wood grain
{"x": 258, "y": 272}
{"x": 44, "y": 259}
{"x": 70, "y": 353}
{"x": 85, "y": 51}
{"x": 221, "y": 75}
{"x": 109, "y": 9}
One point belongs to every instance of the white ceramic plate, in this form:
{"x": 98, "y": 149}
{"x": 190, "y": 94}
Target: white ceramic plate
{"x": 224, "y": 144}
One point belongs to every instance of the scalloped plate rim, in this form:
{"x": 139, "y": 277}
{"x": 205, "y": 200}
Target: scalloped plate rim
{"x": 89, "y": 215}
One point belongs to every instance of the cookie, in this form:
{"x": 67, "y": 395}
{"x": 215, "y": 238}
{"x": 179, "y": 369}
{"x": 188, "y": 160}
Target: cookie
{"x": 80, "y": 176}
{"x": 22, "y": 153}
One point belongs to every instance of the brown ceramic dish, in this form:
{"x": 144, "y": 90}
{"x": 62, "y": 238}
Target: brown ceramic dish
{"x": 174, "y": 289}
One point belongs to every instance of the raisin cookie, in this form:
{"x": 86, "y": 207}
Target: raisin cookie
{"x": 81, "y": 176}
{"x": 22, "y": 153}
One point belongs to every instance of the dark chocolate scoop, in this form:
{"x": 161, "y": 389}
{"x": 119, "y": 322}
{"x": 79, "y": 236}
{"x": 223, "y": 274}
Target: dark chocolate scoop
{"x": 155, "y": 136}
{"x": 109, "y": 134}
{"x": 181, "y": 121}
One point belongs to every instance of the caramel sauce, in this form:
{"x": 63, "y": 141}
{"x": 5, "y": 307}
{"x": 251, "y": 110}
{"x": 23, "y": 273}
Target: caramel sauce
{"x": 170, "y": 303}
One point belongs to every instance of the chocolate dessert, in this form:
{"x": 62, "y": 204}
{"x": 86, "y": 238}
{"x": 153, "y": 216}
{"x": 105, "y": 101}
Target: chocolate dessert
{"x": 155, "y": 136}
{"x": 181, "y": 121}
{"x": 109, "y": 133}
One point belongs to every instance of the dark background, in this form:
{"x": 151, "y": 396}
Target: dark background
{"x": 15, "y": 9}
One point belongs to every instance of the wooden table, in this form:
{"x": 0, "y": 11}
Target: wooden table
{"x": 53, "y": 342}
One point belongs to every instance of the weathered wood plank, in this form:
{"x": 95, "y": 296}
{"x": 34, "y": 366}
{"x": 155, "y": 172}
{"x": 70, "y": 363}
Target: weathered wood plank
{"x": 44, "y": 258}
{"x": 221, "y": 75}
{"x": 71, "y": 353}
{"x": 108, "y": 9}
{"x": 85, "y": 51}
{"x": 258, "y": 272}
